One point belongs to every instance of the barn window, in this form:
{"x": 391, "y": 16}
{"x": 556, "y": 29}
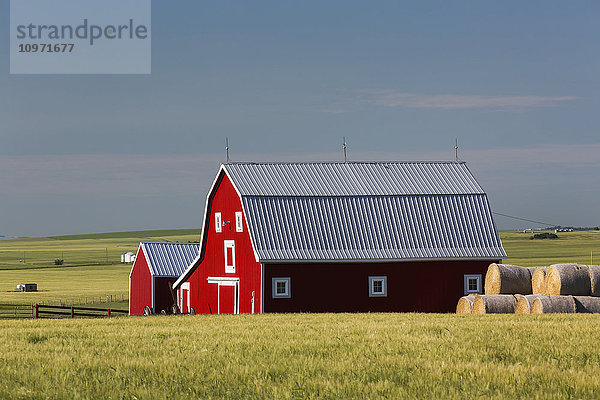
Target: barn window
{"x": 229, "y": 256}
{"x": 378, "y": 286}
{"x": 218, "y": 224}
{"x": 472, "y": 284}
{"x": 239, "y": 226}
{"x": 281, "y": 288}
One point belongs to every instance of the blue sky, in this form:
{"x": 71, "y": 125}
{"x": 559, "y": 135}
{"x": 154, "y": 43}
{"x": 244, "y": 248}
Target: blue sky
{"x": 516, "y": 82}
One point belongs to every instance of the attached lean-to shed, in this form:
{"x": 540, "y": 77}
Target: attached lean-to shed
{"x": 334, "y": 237}
{"x": 157, "y": 266}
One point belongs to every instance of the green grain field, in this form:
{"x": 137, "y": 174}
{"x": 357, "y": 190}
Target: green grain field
{"x": 292, "y": 356}
{"x": 298, "y": 356}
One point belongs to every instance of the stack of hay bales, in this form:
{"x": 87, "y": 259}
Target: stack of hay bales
{"x": 560, "y": 288}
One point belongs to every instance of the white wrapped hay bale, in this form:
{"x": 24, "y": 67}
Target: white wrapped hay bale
{"x": 553, "y": 304}
{"x": 568, "y": 279}
{"x": 494, "y": 304}
{"x": 508, "y": 279}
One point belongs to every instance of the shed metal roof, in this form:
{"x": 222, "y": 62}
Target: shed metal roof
{"x": 352, "y": 178}
{"x": 169, "y": 259}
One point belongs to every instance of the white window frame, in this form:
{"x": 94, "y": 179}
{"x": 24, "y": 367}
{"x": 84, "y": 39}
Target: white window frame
{"x": 239, "y": 222}
{"x": 473, "y": 276}
{"x": 383, "y": 280}
{"x": 218, "y": 222}
{"x": 184, "y": 286}
{"x": 229, "y": 264}
{"x": 288, "y": 287}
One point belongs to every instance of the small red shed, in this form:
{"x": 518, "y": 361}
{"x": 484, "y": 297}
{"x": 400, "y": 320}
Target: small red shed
{"x": 156, "y": 268}
{"x": 341, "y": 237}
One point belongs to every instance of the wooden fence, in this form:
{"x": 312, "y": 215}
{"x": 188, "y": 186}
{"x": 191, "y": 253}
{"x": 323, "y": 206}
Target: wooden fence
{"x": 45, "y": 311}
{"x": 16, "y": 311}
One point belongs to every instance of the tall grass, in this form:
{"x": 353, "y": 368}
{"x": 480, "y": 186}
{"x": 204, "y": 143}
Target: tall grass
{"x": 303, "y": 356}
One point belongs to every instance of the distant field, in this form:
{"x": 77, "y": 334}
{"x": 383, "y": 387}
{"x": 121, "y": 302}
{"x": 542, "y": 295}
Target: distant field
{"x": 298, "y": 356}
{"x": 71, "y": 284}
{"x": 87, "y": 272}
{"x": 82, "y": 250}
{"x": 569, "y": 247}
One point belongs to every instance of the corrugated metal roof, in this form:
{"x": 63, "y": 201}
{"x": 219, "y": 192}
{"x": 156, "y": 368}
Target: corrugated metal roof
{"x": 372, "y": 227}
{"x": 169, "y": 259}
{"x": 352, "y": 178}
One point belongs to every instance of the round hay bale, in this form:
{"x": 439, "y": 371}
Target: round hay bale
{"x": 508, "y": 279}
{"x": 494, "y": 304}
{"x": 538, "y": 280}
{"x": 553, "y": 304}
{"x": 465, "y": 304}
{"x": 587, "y": 304}
{"x": 568, "y": 279}
{"x": 594, "y": 280}
{"x": 524, "y": 303}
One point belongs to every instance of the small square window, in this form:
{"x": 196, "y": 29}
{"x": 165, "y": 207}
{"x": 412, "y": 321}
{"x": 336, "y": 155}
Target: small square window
{"x": 473, "y": 284}
{"x": 218, "y": 223}
{"x": 378, "y": 286}
{"x": 281, "y": 288}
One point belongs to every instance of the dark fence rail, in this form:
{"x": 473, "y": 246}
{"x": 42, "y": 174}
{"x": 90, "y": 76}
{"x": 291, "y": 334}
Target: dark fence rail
{"x": 16, "y": 311}
{"x": 41, "y": 311}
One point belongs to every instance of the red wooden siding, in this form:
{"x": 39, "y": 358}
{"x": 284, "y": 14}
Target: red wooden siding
{"x": 204, "y": 296}
{"x": 140, "y": 285}
{"x": 432, "y": 286}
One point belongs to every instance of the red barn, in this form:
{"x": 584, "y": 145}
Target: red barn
{"x": 157, "y": 266}
{"x": 341, "y": 237}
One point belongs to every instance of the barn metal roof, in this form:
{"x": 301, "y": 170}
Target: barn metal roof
{"x": 361, "y": 211}
{"x": 352, "y": 178}
{"x": 372, "y": 227}
{"x": 169, "y": 259}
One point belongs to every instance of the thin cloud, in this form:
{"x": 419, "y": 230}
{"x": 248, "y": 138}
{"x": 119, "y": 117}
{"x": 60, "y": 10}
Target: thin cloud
{"x": 388, "y": 98}
{"x": 333, "y": 111}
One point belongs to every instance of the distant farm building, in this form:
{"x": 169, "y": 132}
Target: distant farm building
{"x": 128, "y": 257}
{"x": 156, "y": 268}
{"x": 341, "y": 237}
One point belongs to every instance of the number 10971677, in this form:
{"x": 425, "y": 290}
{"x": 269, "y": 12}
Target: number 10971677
{"x": 46, "y": 48}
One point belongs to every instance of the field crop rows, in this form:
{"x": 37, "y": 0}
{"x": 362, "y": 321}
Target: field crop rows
{"x": 81, "y": 250}
{"x": 303, "y": 356}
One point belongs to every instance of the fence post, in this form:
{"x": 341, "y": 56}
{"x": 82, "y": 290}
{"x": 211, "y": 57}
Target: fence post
{"x": 72, "y": 313}
{"x": 36, "y": 311}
